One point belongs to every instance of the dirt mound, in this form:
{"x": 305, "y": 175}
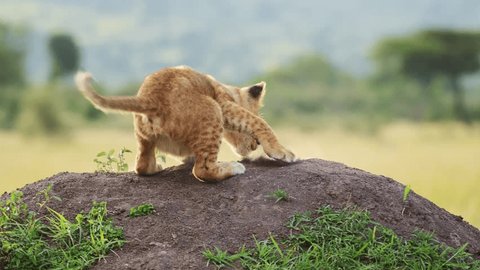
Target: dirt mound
{"x": 191, "y": 215}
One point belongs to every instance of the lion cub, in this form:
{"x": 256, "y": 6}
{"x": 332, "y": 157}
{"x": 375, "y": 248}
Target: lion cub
{"x": 186, "y": 113}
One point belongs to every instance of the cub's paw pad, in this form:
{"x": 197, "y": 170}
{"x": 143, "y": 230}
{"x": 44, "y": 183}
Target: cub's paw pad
{"x": 237, "y": 168}
{"x": 289, "y": 157}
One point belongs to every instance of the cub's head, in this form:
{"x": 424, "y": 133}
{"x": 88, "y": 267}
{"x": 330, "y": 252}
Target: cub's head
{"x": 251, "y": 98}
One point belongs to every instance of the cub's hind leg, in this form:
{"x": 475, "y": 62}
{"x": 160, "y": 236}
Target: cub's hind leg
{"x": 205, "y": 146}
{"x": 207, "y": 168}
{"x": 146, "y": 163}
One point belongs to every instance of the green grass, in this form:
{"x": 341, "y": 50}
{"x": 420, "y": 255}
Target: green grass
{"x": 406, "y": 192}
{"x": 142, "y": 210}
{"x": 346, "y": 239}
{"x": 221, "y": 258}
{"x": 29, "y": 241}
{"x": 279, "y": 195}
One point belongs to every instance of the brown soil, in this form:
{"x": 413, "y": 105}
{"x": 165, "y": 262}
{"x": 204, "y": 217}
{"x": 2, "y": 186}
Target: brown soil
{"x": 191, "y": 216}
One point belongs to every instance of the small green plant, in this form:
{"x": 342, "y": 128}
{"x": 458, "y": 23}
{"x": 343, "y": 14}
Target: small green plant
{"x": 52, "y": 241}
{"x": 108, "y": 162}
{"x": 46, "y": 196}
{"x": 406, "y": 192}
{"x": 279, "y": 195}
{"x": 345, "y": 239}
{"x": 142, "y": 210}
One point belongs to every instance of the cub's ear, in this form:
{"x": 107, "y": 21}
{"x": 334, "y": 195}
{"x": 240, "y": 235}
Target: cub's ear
{"x": 258, "y": 90}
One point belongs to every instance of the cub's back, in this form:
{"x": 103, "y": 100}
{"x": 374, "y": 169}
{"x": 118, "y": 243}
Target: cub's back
{"x": 174, "y": 83}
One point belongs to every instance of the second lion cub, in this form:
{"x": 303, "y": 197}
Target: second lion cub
{"x": 186, "y": 113}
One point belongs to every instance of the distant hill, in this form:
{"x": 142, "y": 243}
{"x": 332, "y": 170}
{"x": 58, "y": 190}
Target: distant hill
{"x": 124, "y": 40}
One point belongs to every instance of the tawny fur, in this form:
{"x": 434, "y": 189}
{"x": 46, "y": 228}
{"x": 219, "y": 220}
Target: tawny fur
{"x": 186, "y": 113}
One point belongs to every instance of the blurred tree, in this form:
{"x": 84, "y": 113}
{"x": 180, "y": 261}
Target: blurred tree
{"x": 429, "y": 54}
{"x": 310, "y": 89}
{"x": 43, "y": 112}
{"x": 12, "y": 55}
{"x": 65, "y": 55}
{"x": 12, "y": 72}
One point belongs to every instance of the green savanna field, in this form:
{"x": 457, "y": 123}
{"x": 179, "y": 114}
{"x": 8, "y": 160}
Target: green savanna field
{"x": 439, "y": 161}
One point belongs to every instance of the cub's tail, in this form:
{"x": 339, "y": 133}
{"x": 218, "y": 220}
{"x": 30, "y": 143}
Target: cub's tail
{"x": 83, "y": 80}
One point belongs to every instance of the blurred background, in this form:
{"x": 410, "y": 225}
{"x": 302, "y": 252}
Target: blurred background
{"x": 391, "y": 87}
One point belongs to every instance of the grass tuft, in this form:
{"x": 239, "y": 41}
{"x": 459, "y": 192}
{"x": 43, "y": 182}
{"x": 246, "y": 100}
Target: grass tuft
{"x": 406, "y": 192}
{"x": 346, "y": 239}
{"x": 279, "y": 195}
{"x": 142, "y": 210}
{"x": 54, "y": 242}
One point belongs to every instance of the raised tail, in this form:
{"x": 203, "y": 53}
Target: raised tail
{"x": 83, "y": 80}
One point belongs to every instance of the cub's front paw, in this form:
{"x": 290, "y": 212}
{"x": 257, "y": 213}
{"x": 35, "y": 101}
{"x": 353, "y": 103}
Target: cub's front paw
{"x": 280, "y": 153}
